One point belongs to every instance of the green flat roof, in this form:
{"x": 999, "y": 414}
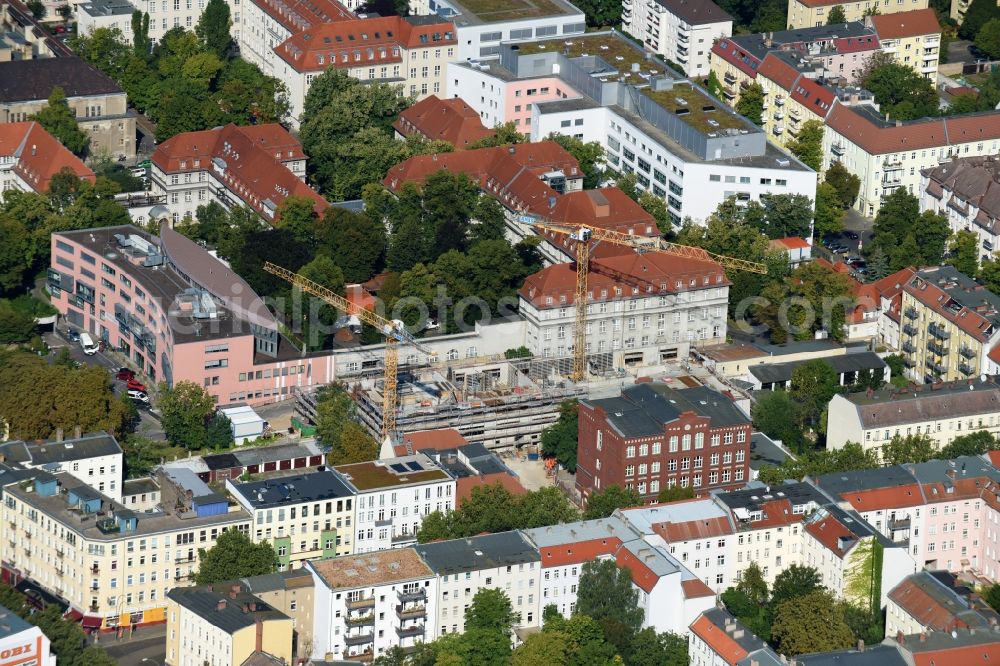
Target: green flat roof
{"x": 368, "y": 475}
{"x": 695, "y": 108}
{"x": 616, "y": 50}
{"x": 494, "y": 11}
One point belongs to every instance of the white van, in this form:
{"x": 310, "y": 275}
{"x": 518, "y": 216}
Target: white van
{"x": 87, "y": 342}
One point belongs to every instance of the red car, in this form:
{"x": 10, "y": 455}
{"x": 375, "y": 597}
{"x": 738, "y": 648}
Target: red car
{"x": 124, "y": 374}
{"x": 136, "y": 385}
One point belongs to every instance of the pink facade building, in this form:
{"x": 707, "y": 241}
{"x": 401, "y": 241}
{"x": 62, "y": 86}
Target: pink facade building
{"x": 177, "y": 314}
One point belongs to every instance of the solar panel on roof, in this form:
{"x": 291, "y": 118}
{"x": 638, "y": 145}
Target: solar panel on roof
{"x": 414, "y": 466}
{"x": 398, "y": 467}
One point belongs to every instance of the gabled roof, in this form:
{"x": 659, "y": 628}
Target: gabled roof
{"x": 249, "y": 160}
{"x": 38, "y": 155}
{"x": 450, "y": 120}
{"x": 936, "y": 602}
{"x": 30, "y": 80}
{"x": 229, "y": 607}
{"x": 972, "y": 182}
{"x": 900, "y": 25}
{"x": 777, "y": 69}
{"x": 954, "y": 296}
{"x": 857, "y": 125}
{"x": 297, "y": 15}
{"x": 725, "y": 635}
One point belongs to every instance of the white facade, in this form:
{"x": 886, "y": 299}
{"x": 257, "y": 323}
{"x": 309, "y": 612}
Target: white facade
{"x": 164, "y": 15}
{"x": 664, "y": 32}
{"x": 94, "y": 459}
{"x": 520, "y": 582}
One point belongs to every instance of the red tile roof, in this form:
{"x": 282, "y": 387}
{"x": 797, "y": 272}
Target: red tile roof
{"x": 775, "y": 513}
{"x": 896, "y": 497}
{"x": 790, "y": 243}
{"x": 464, "y": 486}
{"x": 578, "y": 552}
{"x": 778, "y": 70}
{"x": 986, "y": 654}
{"x": 361, "y": 42}
{"x": 439, "y": 439}
{"x": 254, "y": 159}
{"x": 695, "y": 588}
{"x": 935, "y": 298}
{"x": 450, "y": 120}
{"x": 625, "y": 276}
{"x": 891, "y": 285}
{"x": 899, "y": 25}
{"x": 297, "y": 15}
{"x": 642, "y": 576}
{"x": 815, "y": 97}
{"x": 916, "y": 135}
{"x": 924, "y": 607}
{"x": 829, "y": 531}
{"x": 38, "y": 155}
{"x": 718, "y": 640}
{"x": 994, "y": 457}
{"x": 736, "y": 56}
{"x": 693, "y": 529}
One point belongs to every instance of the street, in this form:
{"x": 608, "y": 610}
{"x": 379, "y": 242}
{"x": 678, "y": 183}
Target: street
{"x": 147, "y": 646}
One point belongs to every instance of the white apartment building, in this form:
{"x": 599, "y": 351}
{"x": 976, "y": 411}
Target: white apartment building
{"x": 304, "y": 517}
{"x": 393, "y": 496}
{"x": 504, "y": 561}
{"x": 642, "y": 309}
{"x": 681, "y": 31}
{"x": 164, "y": 15}
{"x": 939, "y": 411}
{"x": 719, "y": 639}
{"x": 368, "y": 603}
{"x": 112, "y": 565}
{"x": 967, "y": 192}
{"x": 670, "y": 133}
{"x": 30, "y": 156}
{"x": 95, "y": 459}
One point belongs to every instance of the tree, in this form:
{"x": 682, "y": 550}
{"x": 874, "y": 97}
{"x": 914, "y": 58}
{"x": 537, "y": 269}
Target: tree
{"x": 37, "y": 9}
{"x": 752, "y": 584}
{"x": 606, "y": 594}
{"x": 60, "y": 121}
{"x": 213, "y": 27}
{"x": 657, "y": 207}
{"x": 589, "y": 154}
{"x": 545, "y": 506}
{"x": 783, "y": 215}
{"x": 814, "y": 383}
{"x": 674, "y": 494}
{"x": 335, "y": 426}
{"x": 829, "y": 217}
{"x": 713, "y": 85}
{"x": 992, "y": 596}
{"x": 989, "y": 273}
{"x": 140, "y": 34}
{"x": 603, "y": 503}
{"x": 354, "y": 241}
{"x": 813, "y": 298}
{"x": 545, "y": 647}
{"x": 845, "y": 182}
{"x": 560, "y": 439}
{"x": 186, "y": 409}
{"x": 795, "y": 581}
{"x": 973, "y": 444}
{"x": 908, "y": 449}
{"x": 964, "y": 252}
{"x": 601, "y": 13}
{"x": 490, "y": 610}
{"x": 234, "y": 556}
{"x": 503, "y": 135}
{"x": 901, "y": 92}
{"x": 836, "y": 16}
{"x": 977, "y": 16}
{"x": 15, "y": 325}
{"x": 297, "y": 214}
{"x": 751, "y": 103}
{"x": 988, "y": 38}
{"x": 776, "y": 415}
{"x": 810, "y": 623}
{"x": 648, "y": 648}
{"x": 219, "y": 432}
{"x": 907, "y": 236}
{"x": 627, "y": 183}
{"x": 808, "y": 145}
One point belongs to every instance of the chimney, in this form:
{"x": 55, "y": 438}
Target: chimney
{"x": 899, "y": 636}
{"x": 221, "y": 606}
{"x": 59, "y": 434}
{"x": 923, "y": 637}
{"x": 950, "y": 473}
{"x": 77, "y": 432}
{"x": 260, "y": 635}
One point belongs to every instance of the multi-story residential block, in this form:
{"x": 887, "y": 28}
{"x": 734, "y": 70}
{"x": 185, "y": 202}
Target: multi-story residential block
{"x": 941, "y": 412}
{"x": 99, "y": 103}
{"x": 163, "y": 16}
{"x": 967, "y": 192}
{"x": 393, "y": 496}
{"x": 30, "y": 157}
{"x": 681, "y": 31}
{"x": 889, "y": 290}
{"x": 842, "y": 547}
{"x": 222, "y": 625}
{"x": 411, "y": 51}
{"x": 256, "y": 166}
{"x": 289, "y": 592}
{"x": 668, "y": 131}
{"x": 436, "y": 119}
{"x": 935, "y": 601}
{"x": 505, "y": 561}
{"x": 912, "y": 37}
{"x": 810, "y": 13}
{"x": 958, "y": 8}
{"x": 95, "y": 459}
{"x": 887, "y": 154}
{"x": 110, "y": 564}
{"x": 23, "y": 643}
{"x": 304, "y": 517}
{"x": 653, "y": 437}
{"x": 259, "y": 26}
{"x": 366, "y": 604}
{"x": 719, "y": 639}
{"x": 481, "y": 29}
{"x": 950, "y": 326}
{"x": 176, "y": 313}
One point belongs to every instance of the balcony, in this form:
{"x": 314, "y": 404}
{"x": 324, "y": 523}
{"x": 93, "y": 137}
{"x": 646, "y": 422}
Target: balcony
{"x": 936, "y": 349}
{"x": 683, "y": 39}
{"x": 837, "y": 149}
{"x": 403, "y": 538}
{"x": 27, "y": 535}
{"x": 94, "y": 608}
{"x": 13, "y": 525}
{"x": 909, "y": 362}
{"x": 729, "y": 78}
{"x": 95, "y": 569}
{"x": 60, "y": 553}
{"x": 27, "y": 551}
{"x": 966, "y": 352}
{"x": 938, "y": 332}
{"x": 778, "y": 114}
{"x": 966, "y": 369}
{"x": 407, "y": 632}
{"x": 417, "y": 595}
{"x": 363, "y": 657}
{"x": 939, "y": 368}
{"x": 910, "y": 329}
{"x": 361, "y": 602}
{"x": 60, "y": 572}
{"x": 909, "y": 348}
{"x": 778, "y": 130}
{"x": 95, "y": 586}
{"x": 910, "y": 312}
{"x": 360, "y": 620}
{"x": 412, "y": 613}
{"x": 359, "y": 639}
{"x": 779, "y": 100}
{"x": 892, "y": 164}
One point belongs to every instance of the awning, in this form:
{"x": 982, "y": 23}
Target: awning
{"x": 73, "y": 615}
{"x": 92, "y": 621}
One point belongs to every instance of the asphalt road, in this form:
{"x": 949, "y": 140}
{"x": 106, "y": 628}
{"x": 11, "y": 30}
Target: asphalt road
{"x": 148, "y": 647}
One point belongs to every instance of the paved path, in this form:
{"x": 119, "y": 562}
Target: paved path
{"x": 147, "y": 647}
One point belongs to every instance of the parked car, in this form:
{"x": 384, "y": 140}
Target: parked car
{"x": 125, "y": 374}
{"x": 89, "y": 346}
{"x": 852, "y": 235}
{"x": 73, "y": 335}
{"x": 138, "y": 396}
{"x": 135, "y": 385}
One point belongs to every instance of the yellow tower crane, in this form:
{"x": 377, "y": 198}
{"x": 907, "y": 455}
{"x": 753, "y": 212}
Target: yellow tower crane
{"x": 394, "y": 333}
{"x": 585, "y": 235}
